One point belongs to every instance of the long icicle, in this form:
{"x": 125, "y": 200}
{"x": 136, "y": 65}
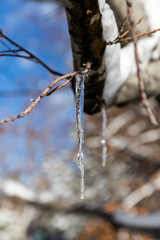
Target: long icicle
{"x": 80, "y": 127}
{"x": 103, "y": 134}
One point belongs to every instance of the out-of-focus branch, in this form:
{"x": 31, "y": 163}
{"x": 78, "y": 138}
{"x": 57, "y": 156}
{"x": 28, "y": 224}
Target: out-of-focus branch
{"x": 140, "y": 80}
{"x": 44, "y": 93}
{"x": 13, "y": 189}
{"x": 15, "y": 53}
{"x": 130, "y": 91}
{"x": 18, "y": 93}
{"x": 143, "y": 192}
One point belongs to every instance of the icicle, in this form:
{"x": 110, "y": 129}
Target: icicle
{"x": 80, "y": 127}
{"x": 103, "y": 136}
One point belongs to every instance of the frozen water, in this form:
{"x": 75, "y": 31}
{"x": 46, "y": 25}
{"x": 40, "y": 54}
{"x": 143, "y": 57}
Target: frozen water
{"x": 103, "y": 136}
{"x": 80, "y": 127}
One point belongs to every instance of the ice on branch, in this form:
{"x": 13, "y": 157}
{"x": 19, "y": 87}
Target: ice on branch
{"x": 80, "y": 126}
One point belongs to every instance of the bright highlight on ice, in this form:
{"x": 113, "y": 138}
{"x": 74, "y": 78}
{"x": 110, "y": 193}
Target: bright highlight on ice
{"x": 79, "y": 92}
{"x": 103, "y": 136}
{"x": 80, "y": 127}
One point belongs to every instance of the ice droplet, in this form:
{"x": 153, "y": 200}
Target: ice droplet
{"x": 103, "y": 136}
{"x": 80, "y": 127}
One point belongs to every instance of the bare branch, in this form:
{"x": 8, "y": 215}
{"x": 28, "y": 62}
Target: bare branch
{"x": 30, "y": 56}
{"x": 120, "y": 38}
{"x": 36, "y": 101}
{"x": 57, "y": 88}
{"x": 10, "y": 50}
{"x": 3, "y": 43}
{"x": 16, "y": 55}
{"x": 44, "y": 93}
{"x": 140, "y": 80}
{"x": 139, "y": 35}
{"x": 125, "y": 33}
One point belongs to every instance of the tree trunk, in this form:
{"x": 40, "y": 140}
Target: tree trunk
{"x": 85, "y": 28}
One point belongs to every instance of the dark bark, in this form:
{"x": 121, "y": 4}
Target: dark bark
{"x": 85, "y": 28}
{"x": 147, "y": 224}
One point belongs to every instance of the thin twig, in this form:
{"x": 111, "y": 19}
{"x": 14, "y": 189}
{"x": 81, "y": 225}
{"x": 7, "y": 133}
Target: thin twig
{"x": 121, "y": 38}
{"x": 44, "y": 93}
{"x": 59, "y": 87}
{"x": 37, "y": 100}
{"x": 30, "y": 57}
{"x": 88, "y": 66}
{"x": 3, "y": 43}
{"x": 16, "y": 55}
{"x": 10, "y": 50}
{"x": 139, "y": 35}
{"x": 140, "y": 80}
{"x": 123, "y": 26}
{"x": 124, "y": 34}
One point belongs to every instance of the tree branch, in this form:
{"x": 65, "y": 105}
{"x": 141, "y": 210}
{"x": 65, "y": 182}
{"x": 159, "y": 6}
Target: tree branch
{"x": 86, "y": 33}
{"x": 148, "y": 224}
{"x": 140, "y": 80}
{"x": 121, "y": 37}
{"x": 45, "y": 92}
{"x": 30, "y": 56}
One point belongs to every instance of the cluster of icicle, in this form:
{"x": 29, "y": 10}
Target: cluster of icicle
{"x": 79, "y": 92}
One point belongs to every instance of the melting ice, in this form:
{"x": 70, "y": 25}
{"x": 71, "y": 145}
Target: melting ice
{"x": 103, "y": 135}
{"x": 80, "y": 127}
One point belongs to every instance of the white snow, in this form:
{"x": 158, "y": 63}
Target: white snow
{"x": 145, "y": 51}
{"x": 112, "y": 53}
{"x": 120, "y": 63}
{"x": 152, "y": 8}
{"x": 13, "y": 188}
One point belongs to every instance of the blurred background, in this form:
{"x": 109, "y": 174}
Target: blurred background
{"x": 39, "y": 179}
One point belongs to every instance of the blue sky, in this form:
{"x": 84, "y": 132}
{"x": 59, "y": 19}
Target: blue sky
{"x": 38, "y": 27}
{"x": 41, "y": 28}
